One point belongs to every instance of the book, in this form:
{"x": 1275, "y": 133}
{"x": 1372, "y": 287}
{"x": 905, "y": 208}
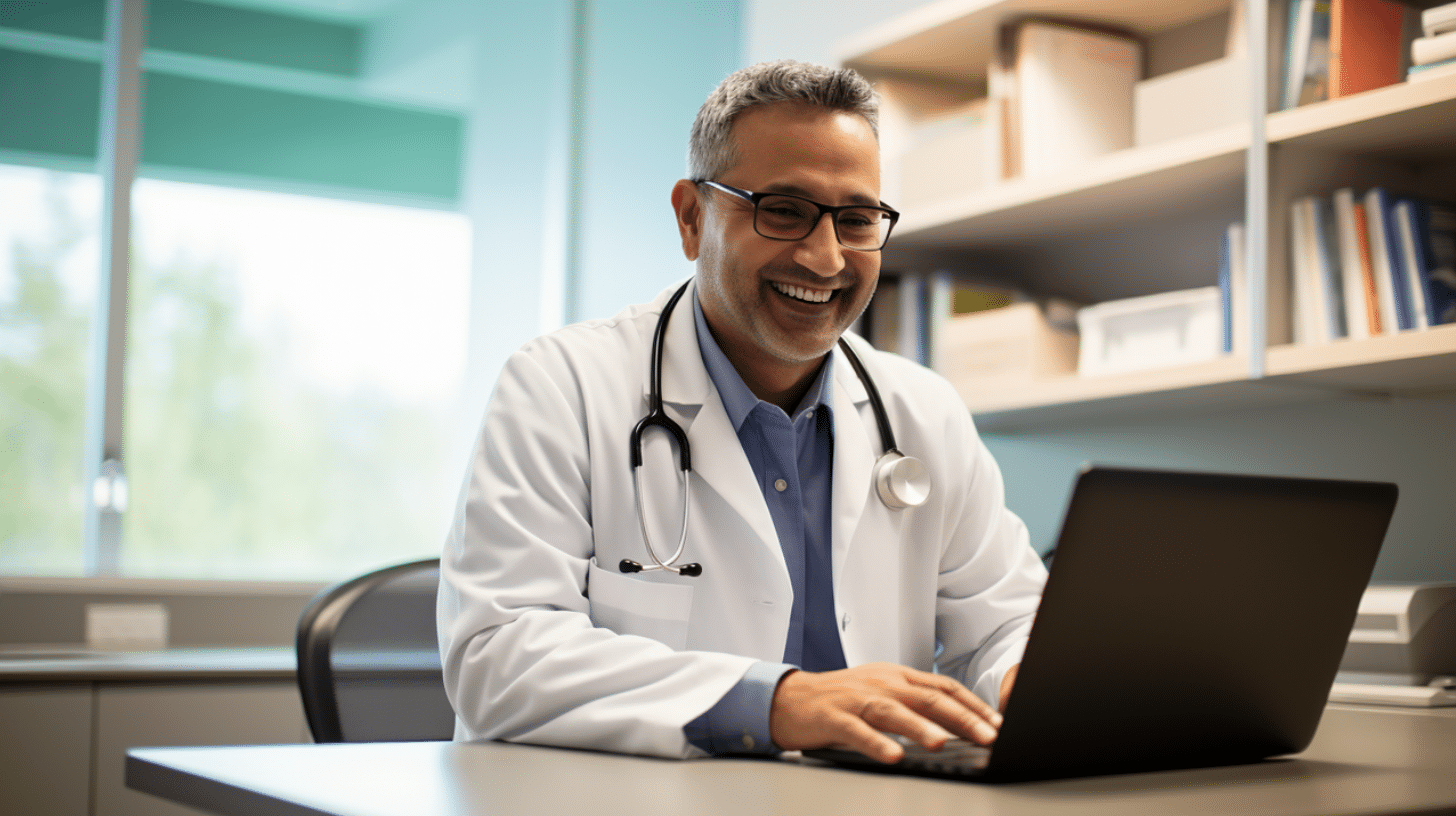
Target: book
{"x": 1438, "y": 19}
{"x": 1378, "y": 323}
{"x": 1314, "y": 84}
{"x": 1428, "y": 241}
{"x": 1073, "y": 94}
{"x": 1440, "y": 253}
{"x": 1356, "y": 282}
{"x": 912, "y": 342}
{"x": 1411, "y": 255}
{"x": 1331, "y": 297}
{"x": 1301, "y": 275}
{"x": 1385, "y": 257}
{"x": 1318, "y": 305}
{"x": 1233, "y": 289}
{"x": 1426, "y": 50}
{"x": 1296, "y": 52}
{"x": 1433, "y": 70}
{"x": 1366, "y": 45}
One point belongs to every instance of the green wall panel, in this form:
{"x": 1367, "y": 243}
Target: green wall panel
{"x": 206, "y": 125}
{"x": 83, "y": 19}
{"x": 208, "y": 30}
{"x": 49, "y": 104}
{"x": 254, "y": 36}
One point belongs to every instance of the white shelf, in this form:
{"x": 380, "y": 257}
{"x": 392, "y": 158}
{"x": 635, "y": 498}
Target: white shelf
{"x": 1068, "y": 400}
{"x": 1127, "y": 186}
{"x": 1411, "y": 362}
{"x": 1408, "y": 119}
{"x": 955, "y": 40}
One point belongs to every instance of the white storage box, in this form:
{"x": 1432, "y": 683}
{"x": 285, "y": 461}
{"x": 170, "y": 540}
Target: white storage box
{"x": 949, "y": 154}
{"x": 1204, "y": 97}
{"x": 1012, "y": 345}
{"x": 1154, "y": 331}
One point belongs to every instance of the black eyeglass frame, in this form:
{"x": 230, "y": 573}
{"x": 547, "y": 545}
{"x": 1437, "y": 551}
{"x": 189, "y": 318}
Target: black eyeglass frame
{"x": 755, "y": 198}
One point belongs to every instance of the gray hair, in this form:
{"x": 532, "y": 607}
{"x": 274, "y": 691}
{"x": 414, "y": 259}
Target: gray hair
{"x": 711, "y": 150}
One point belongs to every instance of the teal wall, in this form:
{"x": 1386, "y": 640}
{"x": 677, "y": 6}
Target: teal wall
{"x": 649, "y": 66}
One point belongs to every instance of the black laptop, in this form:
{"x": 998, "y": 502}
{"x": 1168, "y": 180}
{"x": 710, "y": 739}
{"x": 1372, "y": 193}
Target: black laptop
{"x": 1190, "y": 620}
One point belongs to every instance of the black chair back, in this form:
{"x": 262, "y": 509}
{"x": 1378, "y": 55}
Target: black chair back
{"x": 369, "y": 659}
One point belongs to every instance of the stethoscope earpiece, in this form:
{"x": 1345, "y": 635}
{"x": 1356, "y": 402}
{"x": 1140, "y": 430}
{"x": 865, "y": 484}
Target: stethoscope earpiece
{"x": 901, "y": 481}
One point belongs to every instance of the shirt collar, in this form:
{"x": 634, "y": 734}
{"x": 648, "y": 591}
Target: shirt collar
{"x": 738, "y": 400}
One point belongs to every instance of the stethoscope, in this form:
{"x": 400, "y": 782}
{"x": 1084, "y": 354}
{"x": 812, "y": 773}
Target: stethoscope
{"x": 901, "y": 481}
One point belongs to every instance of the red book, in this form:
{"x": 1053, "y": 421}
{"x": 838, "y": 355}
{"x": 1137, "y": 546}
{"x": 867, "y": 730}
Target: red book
{"x": 1365, "y": 45}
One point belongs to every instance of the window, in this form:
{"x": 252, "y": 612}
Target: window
{"x": 48, "y": 261}
{"x": 292, "y": 373}
{"x": 293, "y": 358}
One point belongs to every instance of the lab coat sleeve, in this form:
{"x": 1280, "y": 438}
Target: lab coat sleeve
{"x": 990, "y": 577}
{"x": 522, "y": 659}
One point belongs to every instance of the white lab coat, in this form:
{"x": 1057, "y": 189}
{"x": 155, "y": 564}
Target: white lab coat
{"x": 543, "y": 640}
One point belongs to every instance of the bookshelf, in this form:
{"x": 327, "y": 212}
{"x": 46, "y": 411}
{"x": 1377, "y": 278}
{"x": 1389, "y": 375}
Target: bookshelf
{"x": 1147, "y": 219}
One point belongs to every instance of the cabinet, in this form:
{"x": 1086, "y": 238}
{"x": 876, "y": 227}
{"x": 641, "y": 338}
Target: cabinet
{"x": 63, "y": 747}
{"x": 1149, "y": 219}
{"x": 45, "y": 749}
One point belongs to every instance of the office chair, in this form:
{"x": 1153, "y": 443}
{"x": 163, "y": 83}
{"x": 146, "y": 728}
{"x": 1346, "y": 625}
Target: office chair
{"x": 369, "y": 660}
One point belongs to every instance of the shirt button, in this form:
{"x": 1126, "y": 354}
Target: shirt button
{"x": 809, "y": 413}
{"x": 780, "y": 485}
{"x": 844, "y": 622}
{"x": 748, "y": 741}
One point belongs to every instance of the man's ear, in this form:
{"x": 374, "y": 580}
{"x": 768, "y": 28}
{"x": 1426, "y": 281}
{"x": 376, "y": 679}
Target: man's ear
{"x": 689, "y": 210}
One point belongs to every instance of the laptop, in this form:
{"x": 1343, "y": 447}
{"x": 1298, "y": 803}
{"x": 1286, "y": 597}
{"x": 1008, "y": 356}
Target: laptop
{"x": 1189, "y": 620}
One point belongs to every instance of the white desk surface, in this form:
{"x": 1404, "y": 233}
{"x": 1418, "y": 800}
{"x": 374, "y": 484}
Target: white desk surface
{"x": 1363, "y": 760}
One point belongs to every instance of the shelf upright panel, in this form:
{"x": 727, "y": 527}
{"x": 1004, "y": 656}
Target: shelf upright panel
{"x": 1256, "y": 186}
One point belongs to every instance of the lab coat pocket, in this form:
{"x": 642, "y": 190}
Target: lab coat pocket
{"x": 632, "y": 606}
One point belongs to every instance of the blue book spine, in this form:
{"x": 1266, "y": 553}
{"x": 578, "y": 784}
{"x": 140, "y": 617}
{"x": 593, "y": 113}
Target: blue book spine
{"x": 1327, "y": 245}
{"x": 1404, "y": 318}
{"x": 1437, "y": 238}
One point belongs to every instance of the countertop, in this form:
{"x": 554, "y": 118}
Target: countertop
{"x": 78, "y": 664}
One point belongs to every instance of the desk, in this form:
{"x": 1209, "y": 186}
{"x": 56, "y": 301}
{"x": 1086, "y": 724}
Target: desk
{"x": 1363, "y": 760}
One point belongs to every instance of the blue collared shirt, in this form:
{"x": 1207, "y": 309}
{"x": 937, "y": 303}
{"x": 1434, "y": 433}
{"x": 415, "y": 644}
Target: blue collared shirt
{"x": 792, "y": 457}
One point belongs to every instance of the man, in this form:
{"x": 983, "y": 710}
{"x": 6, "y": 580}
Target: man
{"x": 819, "y": 615}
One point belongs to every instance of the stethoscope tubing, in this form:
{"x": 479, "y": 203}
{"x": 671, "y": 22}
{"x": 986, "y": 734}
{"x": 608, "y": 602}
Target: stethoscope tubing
{"x": 895, "y": 492}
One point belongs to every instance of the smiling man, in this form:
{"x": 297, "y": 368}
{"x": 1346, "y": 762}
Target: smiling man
{"x": 757, "y": 584}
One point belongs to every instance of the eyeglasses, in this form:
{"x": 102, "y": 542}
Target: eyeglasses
{"x": 783, "y": 217}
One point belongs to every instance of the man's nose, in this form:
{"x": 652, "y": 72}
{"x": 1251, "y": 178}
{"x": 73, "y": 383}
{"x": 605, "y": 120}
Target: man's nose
{"x": 820, "y": 251}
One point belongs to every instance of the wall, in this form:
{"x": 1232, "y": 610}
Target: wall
{"x": 1408, "y": 442}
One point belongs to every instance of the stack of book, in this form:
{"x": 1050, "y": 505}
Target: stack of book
{"x": 1368, "y": 265}
{"x": 1434, "y": 54}
{"x": 1335, "y": 48}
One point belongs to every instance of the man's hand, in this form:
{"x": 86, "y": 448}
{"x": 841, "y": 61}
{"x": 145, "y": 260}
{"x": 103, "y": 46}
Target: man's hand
{"x": 853, "y": 706}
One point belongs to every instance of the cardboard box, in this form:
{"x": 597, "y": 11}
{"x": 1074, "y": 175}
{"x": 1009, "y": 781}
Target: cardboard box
{"x": 1153, "y": 331}
{"x": 949, "y": 154}
{"x": 1004, "y": 347}
{"x": 1204, "y": 97}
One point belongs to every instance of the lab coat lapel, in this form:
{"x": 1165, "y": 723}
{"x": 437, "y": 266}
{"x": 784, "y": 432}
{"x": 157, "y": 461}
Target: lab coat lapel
{"x": 718, "y": 459}
{"x": 866, "y": 538}
{"x": 854, "y": 456}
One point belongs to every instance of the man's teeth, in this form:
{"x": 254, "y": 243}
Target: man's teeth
{"x": 806, "y": 295}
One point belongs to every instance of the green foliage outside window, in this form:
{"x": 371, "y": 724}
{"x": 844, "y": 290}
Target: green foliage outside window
{"x": 239, "y": 467}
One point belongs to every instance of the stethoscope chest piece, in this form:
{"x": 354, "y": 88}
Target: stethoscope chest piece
{"x": 901, "y": 481}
